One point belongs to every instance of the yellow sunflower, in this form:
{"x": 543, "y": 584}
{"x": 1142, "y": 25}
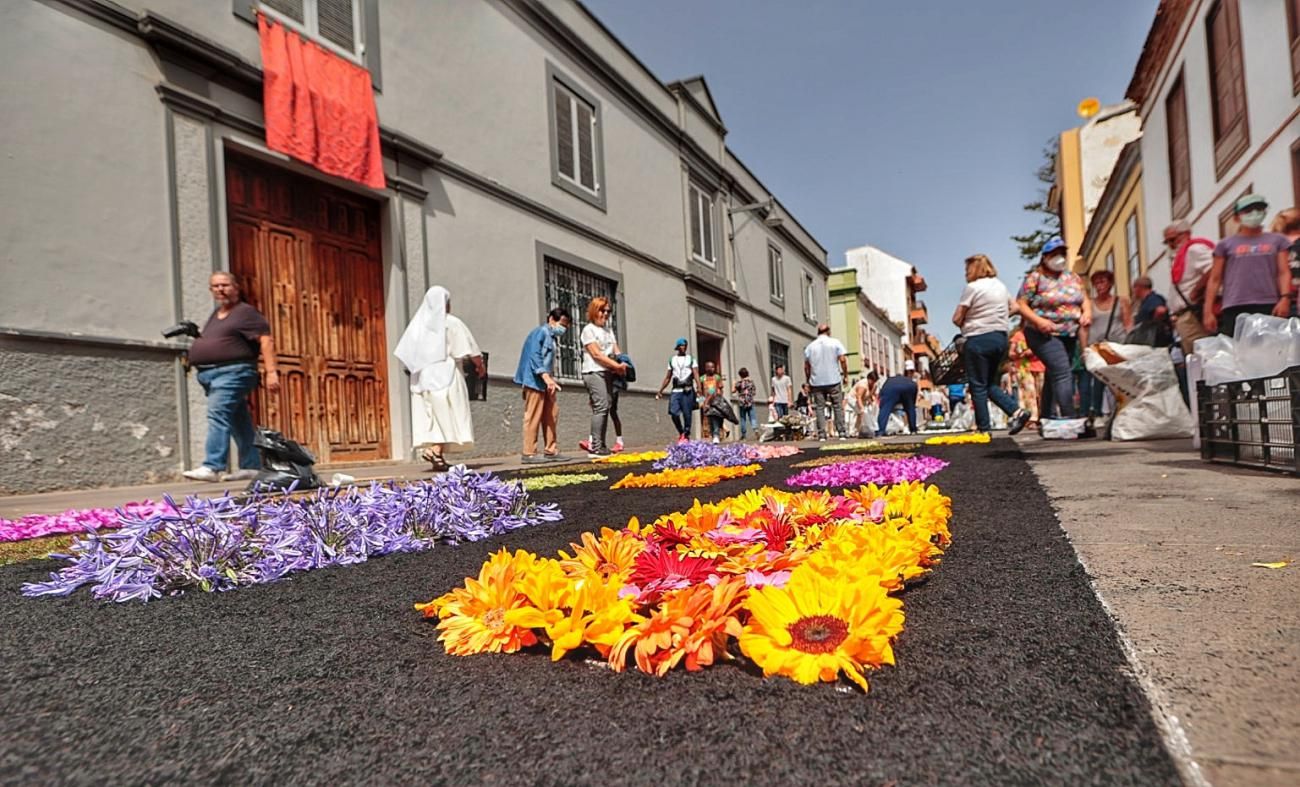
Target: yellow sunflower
{"x": 472, "y": 619}
{"x": 814, "y": 627}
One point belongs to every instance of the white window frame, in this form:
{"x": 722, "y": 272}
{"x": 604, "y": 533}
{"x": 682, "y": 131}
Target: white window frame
{"x": 775, "y": 275}
{"x": 1133, "y": 254}
{"x": 310, "y": 27}
{"x": 704, "y": 210}
{"x": 809, "y": 297}
{"x": 575, "y": 179}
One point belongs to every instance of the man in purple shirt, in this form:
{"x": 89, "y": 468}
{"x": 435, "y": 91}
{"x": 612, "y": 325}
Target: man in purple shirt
{"x": 1252, "y": 268}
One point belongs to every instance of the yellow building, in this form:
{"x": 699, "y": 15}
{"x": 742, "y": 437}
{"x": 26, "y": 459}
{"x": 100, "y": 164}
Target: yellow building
{"x": 1115, "y": 239}
{"x": 1085, "y": 158}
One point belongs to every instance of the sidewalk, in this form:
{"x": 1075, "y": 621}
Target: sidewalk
{"x": 1169, "y": 541}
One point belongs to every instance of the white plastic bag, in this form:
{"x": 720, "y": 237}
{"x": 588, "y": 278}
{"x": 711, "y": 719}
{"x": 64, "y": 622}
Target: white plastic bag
{"x": 896, "y": 424}
{"x": 1218, "y": 356}
{"x": 1062, "y": 428}
{"x": 1266, "y": 345}
{"x": 1149, "y": 402}
{"x": 870, "y": 417}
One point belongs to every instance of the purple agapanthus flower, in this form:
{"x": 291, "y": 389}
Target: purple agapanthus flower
{"x": 869, "y": 471}
{"x": 701, "y": 453}
{"x": 224, "y": 543}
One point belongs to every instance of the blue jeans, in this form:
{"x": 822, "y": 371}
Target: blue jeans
{"x": 748, "y": 420}
{"x": 680, "y": 407}
{"x": 782, "y": 409}
{"x": 227, "y": 388}
{"x": 984, "y": 353}
{"x": 896, "y": 391}
{"x": 1057, "y": 354}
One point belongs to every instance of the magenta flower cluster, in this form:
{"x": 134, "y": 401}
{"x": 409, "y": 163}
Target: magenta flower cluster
{"x": 225, "y": 543}
{"x": 869, "y": 471}
{"x": 76, "y": 520}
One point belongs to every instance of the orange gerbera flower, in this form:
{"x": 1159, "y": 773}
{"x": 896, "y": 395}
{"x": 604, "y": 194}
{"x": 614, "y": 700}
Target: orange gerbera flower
{"x": 473, "y": 618}
{"x": 690, "y": 625}
{"x": 608, "y": 558}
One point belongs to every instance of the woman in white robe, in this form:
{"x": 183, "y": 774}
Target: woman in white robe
{"x": 432, "y": 349}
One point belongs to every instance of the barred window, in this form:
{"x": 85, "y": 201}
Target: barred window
{"x": 572, "y": 289}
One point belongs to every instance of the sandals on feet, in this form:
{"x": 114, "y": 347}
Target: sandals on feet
{"x": 438, "y": 462}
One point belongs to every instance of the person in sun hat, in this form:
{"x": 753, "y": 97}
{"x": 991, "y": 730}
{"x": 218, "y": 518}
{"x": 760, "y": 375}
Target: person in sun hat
{"x": 683, "y": 375}
{"x": 1251, "y": 272}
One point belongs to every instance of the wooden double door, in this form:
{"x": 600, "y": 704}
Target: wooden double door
{"x": 309, "y": 258}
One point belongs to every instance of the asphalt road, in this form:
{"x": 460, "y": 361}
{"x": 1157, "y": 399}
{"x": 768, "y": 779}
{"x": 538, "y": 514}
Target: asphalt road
{"x": 1008, "y": 671}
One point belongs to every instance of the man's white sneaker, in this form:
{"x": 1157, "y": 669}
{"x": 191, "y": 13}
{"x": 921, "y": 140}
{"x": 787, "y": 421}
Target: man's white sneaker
{"x": 202, "y": 473}
{"x": 240, "y": 475}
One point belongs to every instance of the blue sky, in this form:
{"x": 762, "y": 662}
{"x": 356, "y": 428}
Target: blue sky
{"x": 913, "y": 126}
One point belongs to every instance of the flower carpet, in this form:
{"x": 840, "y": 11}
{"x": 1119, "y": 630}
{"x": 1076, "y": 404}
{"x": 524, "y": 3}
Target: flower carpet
{"x": 551, "y": 480}
{"x": 869, "y": 471}
{"x": 835, "y": 459}
{"x": 1007, "y": 670}
{"x": 798, "y": 583}
{"x": 973, "y": 438}
{"x": 686, "y": 477}
{"x": 78, "y": 520}
{"x": 223, "y": 543}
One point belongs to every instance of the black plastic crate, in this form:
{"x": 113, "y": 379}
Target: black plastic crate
{"x": 1252, "y": 423}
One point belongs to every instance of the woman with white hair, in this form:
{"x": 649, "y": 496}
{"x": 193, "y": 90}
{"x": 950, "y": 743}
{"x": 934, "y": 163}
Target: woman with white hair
{"x": 432, "y": 349}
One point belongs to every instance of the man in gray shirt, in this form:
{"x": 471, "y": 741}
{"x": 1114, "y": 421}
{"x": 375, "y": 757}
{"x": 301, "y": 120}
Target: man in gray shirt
{"x": 825, "y": 364}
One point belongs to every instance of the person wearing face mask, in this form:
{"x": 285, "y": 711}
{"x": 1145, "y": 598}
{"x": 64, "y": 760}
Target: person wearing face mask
{"x": 1055, "y": 307}
{"x": 535, "y": 375}
{"x": 1251, "y": 271}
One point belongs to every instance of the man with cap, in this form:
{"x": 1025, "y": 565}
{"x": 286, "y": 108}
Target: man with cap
{"x": 899, "y": 389}
{"x": 684, "y": 375}
{"x": 825, "y": 364}
{"x": 1253, "y": 269}
{"x": 1189, "y": 272}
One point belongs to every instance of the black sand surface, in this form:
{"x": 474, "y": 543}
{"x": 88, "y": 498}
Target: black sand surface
{"x": 1008, "y": 672}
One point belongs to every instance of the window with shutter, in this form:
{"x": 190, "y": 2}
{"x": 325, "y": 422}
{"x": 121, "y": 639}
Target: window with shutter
{"x": 1131, "y": 244}
{"x": 775, "y": 274}
{"x": 1227, "y": 85}
{"x": 702, "y": 209}
{"x": 576, "y": 164}
{"x": 1180, "y": 161}
{"x": 809, "y": 297}
{"x": 335, "y": 24}
{"x": 1293, "y": 30}
{"x": 564, "y": 134}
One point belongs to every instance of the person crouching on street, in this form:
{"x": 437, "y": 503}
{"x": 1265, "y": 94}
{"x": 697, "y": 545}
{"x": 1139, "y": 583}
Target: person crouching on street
{"x": 535, "y": 375}
{"x": 899, "y": 389}
{"x": 225, "y": 358}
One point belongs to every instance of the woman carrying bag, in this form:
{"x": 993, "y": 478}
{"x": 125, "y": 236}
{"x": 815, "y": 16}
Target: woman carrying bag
{"x": 1112, "y": 319}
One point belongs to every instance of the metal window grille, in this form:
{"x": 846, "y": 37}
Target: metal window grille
{"x": 572, "y": 289}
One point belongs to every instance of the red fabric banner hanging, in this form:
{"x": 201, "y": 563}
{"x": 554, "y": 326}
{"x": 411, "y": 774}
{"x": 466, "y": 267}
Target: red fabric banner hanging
{"x": 320, "y": 108}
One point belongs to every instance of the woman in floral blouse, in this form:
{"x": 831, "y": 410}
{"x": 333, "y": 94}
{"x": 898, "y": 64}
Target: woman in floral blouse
{"x": 744, "y": 391}
{"x": 1054, "y": 305}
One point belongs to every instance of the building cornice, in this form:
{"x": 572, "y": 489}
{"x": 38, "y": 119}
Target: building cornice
{"x": 1160, "y": 41}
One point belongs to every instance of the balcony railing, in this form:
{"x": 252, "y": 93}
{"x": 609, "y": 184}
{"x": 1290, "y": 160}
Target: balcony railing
{"x": 920, "y": 314}
{"x": 917, "y": 282}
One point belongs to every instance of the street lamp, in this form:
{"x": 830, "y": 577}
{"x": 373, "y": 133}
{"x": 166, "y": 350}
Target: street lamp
{"x": 767, "y": 207}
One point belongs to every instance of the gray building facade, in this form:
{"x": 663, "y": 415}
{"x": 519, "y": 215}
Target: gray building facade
{"x": 531, "y": 159}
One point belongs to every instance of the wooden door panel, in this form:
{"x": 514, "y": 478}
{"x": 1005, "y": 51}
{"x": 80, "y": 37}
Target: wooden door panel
{"x": 310, "y": 257}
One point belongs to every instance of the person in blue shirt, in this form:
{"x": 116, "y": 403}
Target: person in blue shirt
{"x": 535, "y": 374}
{"x": 956, "y": 395}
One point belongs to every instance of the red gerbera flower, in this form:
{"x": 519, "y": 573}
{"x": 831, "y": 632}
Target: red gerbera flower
{"x": 670, "y": 536}
{"x": 658, "y": 570}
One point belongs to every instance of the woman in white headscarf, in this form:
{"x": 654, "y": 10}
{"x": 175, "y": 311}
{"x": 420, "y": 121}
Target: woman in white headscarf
{"x": 432, "y": 349}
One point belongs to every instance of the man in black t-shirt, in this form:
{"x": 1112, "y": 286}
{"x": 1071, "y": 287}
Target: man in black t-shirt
{"x": 225, "y": 357}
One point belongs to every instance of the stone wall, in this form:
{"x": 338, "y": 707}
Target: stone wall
{"x": 76, "y": 416}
